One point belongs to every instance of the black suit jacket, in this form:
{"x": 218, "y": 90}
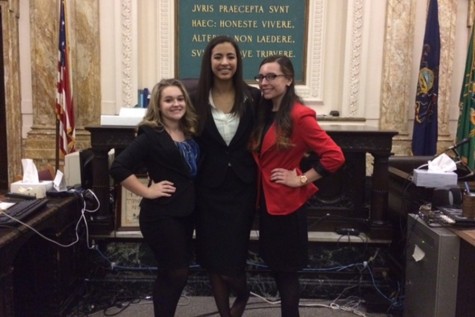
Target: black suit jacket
{"x": 218, "y": 157}
{"x": 155, "y": 151}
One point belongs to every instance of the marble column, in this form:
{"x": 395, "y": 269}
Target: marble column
{"x": 11, "y": 56}
{"x": 447, "y": 21}
{"x": 83, "y": 34}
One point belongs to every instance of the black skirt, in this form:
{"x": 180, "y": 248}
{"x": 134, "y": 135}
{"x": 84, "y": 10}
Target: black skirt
{"x": 224, "y": 220}
{"x": 170, "y": 238}
{"x": 283, "y": 240}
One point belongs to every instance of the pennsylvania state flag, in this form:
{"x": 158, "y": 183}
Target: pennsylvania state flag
{"x": 466, "y": 121}
{"x": 424, "y": 137}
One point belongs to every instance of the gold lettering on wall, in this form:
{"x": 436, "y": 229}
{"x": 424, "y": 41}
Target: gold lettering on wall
{"x": 244, "y": 24}
{"x": 241, "y": 9}
{"x": 274, "y": 39}
{"x": 279, "y": 9}
{"x": 203, "y": 23}
{"x": 249, "y": 24}
{"x": 207, "y": 8}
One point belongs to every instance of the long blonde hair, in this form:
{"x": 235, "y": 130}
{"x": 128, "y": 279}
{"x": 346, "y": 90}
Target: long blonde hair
{"x": 153, "y": 116}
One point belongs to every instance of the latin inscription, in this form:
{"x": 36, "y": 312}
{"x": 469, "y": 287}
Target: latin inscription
{"x": 260, "y": 30}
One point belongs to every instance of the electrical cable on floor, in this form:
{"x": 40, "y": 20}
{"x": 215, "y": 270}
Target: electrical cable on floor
{"x": 272, "y": 302}
{"x": 346, "y": 307}
{"x": 334, "y": 305}
{"x": 348, "y": 304}
{"x": 180, "y": 303}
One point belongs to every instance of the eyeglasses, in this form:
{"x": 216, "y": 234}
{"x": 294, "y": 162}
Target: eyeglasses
{"x": 268, "y": 77}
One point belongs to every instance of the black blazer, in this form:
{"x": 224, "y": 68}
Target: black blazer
{"x": 218, "y": 157}
{"x": 155, "y": 151}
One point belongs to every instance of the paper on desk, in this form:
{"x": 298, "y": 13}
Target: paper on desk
{"x": 418, "y": 254}
{"x": 30, "y": 173}
{"x": 5, "y": 205}
{"x": 59, "y": 182}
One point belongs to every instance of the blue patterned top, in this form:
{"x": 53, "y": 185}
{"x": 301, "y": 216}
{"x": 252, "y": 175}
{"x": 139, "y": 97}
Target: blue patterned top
{"x": 190, "y": 151}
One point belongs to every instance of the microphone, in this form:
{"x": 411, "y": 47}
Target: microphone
{"x": 466, "y": 140}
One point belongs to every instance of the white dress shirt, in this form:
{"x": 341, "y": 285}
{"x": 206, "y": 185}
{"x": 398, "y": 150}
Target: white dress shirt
{"x": 227, "y": 123}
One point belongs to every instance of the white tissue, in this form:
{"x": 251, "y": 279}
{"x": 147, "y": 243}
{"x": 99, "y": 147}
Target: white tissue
{"x": 30, "y": 173}
{"x": 31, "y": 184}
{"x": 439, "y": 173}
{"x": 442, "y": 163}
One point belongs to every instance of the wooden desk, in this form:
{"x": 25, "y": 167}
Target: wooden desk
{"x": 466, "y": 277}
{"x": 37, "y": 278}
{"x": 405, "y": 198}
{"x": 468, "y": 235}
{"x": 359, "y": 199}
{"x": 349, "y": 186}
{"x": 103, "y": 139}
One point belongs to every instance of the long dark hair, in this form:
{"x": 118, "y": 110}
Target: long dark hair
{"x": 206, "y": 81}
{"x": 283, "y": 120}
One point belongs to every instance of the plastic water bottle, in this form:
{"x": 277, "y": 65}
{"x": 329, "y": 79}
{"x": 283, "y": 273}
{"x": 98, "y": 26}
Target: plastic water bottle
{"x": 145, "y": 95}
{"x": 140, "y": 98}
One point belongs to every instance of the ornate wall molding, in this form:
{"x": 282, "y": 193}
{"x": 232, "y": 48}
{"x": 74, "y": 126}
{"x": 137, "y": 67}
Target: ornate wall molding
{"x": 355, "y": 30}
{"x": 166, "y": 38}
{"x": 312, "y": 91}
{"x": 127, "y": 36}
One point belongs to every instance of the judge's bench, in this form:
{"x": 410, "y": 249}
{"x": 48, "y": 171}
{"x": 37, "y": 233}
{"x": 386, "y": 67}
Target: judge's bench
{"x": 350, "y": 198}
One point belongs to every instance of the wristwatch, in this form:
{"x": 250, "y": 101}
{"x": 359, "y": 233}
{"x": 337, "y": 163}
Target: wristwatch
{"x": 303, "y": 179}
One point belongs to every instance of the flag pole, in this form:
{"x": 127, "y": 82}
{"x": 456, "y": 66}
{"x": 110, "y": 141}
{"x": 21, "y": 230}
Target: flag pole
{"x": 56, "y": 147}
{"x": 57, "y": 125}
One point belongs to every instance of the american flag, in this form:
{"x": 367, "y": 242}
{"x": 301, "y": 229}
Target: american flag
{"x": 64, "y": 95}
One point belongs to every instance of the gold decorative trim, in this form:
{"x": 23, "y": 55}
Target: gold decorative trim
{"x": 471, "y": 13}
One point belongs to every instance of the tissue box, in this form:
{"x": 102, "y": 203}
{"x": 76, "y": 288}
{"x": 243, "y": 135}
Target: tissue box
{"x": 33, "y": 189}
{"x": 425, "y": 178}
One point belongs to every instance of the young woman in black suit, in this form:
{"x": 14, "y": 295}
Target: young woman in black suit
{"x": 165, "y": 147}
{"x": 226, "y": 183}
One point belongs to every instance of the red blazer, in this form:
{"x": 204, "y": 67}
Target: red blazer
{"x": 306, "y": 136}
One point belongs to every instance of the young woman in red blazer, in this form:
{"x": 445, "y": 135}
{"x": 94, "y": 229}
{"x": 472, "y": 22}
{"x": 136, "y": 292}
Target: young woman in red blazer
{"x": 286, "y": 130}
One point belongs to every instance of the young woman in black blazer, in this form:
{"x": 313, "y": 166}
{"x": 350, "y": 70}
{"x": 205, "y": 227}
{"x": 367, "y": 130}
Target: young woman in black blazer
{"x": 226, "y": 182}
{"x": 165, "y": 147}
